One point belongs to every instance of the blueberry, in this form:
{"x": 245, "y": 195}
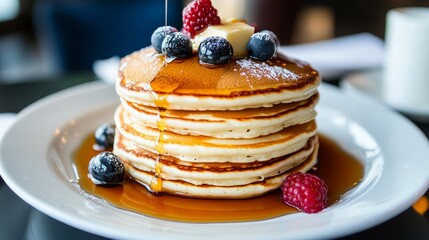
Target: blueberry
{"x": 261, "y": 46}
{"x": 274, "y": 36}
{"x": 215, "y": 50}
{"x": 105, "y": 135}
{"x": 158, "y": 36}
{"x": 106, "y": 169}
{"x": 177, "y": 45}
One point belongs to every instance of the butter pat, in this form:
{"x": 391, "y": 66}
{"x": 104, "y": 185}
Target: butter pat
{"x": 236, "y": 32}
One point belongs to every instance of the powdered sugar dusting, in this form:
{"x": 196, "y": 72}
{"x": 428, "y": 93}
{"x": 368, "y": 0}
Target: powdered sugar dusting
{"x": 263, "y": 36}
{"x": 264, "y": 70}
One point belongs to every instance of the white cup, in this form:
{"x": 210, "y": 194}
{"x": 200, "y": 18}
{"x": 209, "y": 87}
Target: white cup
{"x": 406, "y": 64}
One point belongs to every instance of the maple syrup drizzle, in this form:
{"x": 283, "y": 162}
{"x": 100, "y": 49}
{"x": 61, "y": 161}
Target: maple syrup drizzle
{"x": 155, "y": 184}
{"x": 161, "y": 104}
{"x": 340, "y": 170}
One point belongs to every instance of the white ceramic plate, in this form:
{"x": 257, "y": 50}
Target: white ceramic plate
{"x": 368, "y": 85}
{"x": 35, "y": 161}
{"x": 6, "y": 119}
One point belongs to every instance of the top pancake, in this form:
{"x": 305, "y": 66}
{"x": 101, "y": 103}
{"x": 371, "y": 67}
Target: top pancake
{"x": 188, "y": 85}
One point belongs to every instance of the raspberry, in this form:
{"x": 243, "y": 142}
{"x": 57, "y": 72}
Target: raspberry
{"x": 198, "y": 15}
{"x": 306, "y": 192}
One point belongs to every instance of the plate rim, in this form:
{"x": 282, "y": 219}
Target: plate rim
{"x": 92, "y": 227}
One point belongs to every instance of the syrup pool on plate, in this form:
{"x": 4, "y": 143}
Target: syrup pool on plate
{"x": 340, "y": 170}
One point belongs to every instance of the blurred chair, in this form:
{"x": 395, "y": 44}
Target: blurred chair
{"x": 73, "y": 34}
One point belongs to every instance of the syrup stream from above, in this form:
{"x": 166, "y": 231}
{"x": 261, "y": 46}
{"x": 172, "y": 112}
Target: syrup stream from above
{"x": 166, "y": 12}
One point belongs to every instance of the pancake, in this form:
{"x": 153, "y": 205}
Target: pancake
{"x": 208, "y": 149}
{"x": 146, "y": 78}
{"x": 214, "y": 173}
{"x": 229, "y": 131}
{"x": 246, "y": 123}
{"x": 225, "y": 191}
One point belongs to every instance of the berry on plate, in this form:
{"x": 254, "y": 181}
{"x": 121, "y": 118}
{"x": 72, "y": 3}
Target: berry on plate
{"x": 305, "y": 192}
{"x": 158, "y": 36}
{"x": 261, "y": 46}
{"x": 197, "y": 16}
{"x": 104, "y": 136}
{"x": 106, "y": 169}
{"x": 177, "y": 45}
{"x": 215, "y": 50}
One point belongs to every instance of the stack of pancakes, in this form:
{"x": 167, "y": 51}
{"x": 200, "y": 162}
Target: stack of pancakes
{"x": 230, "y": 131}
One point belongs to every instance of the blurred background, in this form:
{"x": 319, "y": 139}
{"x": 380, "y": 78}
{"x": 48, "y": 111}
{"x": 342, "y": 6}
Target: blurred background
{"x": 48, "y": 38}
